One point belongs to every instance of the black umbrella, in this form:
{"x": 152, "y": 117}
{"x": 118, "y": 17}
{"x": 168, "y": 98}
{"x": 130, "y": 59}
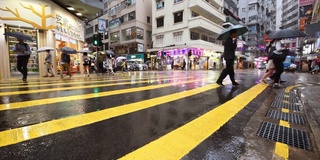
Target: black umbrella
{"x": 286, "y": 33}
{"x": 68, "y": 50}
{"x": 18, "y": 35}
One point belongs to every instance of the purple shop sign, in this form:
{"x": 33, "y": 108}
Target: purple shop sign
{"x": 305, "y": 2}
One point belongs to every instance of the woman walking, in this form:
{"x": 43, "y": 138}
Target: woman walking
{"x": 110, "y": 65}
{"x": 86, "y": 64}
{"x": 270, "y": 65}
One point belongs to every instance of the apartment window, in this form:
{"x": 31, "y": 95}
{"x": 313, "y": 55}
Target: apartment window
{"x": 177, "y": 37}
{"x": 252, "y": 18}
{"x": 89, "y": 30}
{"x": 159, "y": 40}
{"x": 252, "y": 7}
{"x": 194, "y": 36}
{"x": 243, "y": 9}
{"x": 243, "y": 20}
{"x": 205, "y": 38}
{"x": 149, "y": 35}
{"x": 114, "y": 37}
{"x": 160, "y": 4}
{"x": 140, "y": 33}
{"x": 176, "y": 1}
{"x": 128, "y": 17}
{"x": 148, "y": 19}
{"x": 160, "y": 22}
{"x": 194, "y": 14}
{"x": 132, "y": 33}
{"x": 178, "y": 17}
{"x": 212, "y": 40}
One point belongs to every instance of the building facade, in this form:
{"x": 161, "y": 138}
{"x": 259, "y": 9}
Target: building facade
{"x": 183, "y": 26}
{"x": 290, "y": 14}
{"x": 260, "y": 17}
{"x": 53, "y": 27}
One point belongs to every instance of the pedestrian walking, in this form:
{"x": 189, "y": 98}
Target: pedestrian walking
{"x": 124, "y": 66}
{"x": 315, "y": 66}
{"x": 110, "y": 66}
{"x": 86, "y": 64}
{"x": 229, "y": 55}
{"x": 270, "y": 65}
{"x": 48, "y": 63}
{"x": 183, "y": 64}
{"x": 23, "y": 54}
{"x": 65, "y": 64}
{"x": 100, "y": 60}
{"x": 278, "y": 55}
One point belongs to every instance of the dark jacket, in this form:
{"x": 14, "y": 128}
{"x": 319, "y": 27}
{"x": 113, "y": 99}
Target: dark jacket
{"x": 65, "y": 58}
{"x": 229, "y": 49}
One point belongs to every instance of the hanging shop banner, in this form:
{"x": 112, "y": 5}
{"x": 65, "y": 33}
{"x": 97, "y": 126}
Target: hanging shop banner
{"x": 305, "y": 2}
{"x": 306, "y": 11}
{"x": 102, "y": 23}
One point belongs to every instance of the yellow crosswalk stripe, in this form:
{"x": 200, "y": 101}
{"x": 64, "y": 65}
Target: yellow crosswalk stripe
{"x": 72, "y": 82}
{"x": 76, "y": 87}
{"x": 31, "y": 103}
{"x": 21, "y": 134}
{"x": 76, "y": 80}
{"x": 181, "y": 141}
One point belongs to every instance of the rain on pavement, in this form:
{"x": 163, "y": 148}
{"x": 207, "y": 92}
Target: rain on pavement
{"x": 154, "y": 115}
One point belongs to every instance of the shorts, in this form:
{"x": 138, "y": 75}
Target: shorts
{"x": 270, "y": 64}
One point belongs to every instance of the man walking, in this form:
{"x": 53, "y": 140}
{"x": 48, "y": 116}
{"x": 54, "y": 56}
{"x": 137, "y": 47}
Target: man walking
{"x": 229, "y": 55}
{"x": 48, "y": 64}
{"x": 23, "y": 54}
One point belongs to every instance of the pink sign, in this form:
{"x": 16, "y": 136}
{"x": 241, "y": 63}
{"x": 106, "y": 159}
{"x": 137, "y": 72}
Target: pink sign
{"x": 306, "y": 2}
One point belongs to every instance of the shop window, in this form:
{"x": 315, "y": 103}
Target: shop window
{"x": 129, "y": 34}
{"x": 177, "y": 37}
{"x": 194, "y": 36}
{"x": 114, "y": 37}
{"x": 160, "y": 22}
{"x": 160, "y": 4}
{"x": 140, "y": 33}
{"x": 178, "y": 17}
{"x": 33, "y": 64}
{"x": 159, "y": 39}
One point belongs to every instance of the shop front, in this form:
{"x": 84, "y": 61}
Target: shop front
{"x": 52, "y": 27}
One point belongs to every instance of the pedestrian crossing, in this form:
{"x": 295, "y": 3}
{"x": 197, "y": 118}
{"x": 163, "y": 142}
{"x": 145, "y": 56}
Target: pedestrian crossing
{"x": 181, "y": 140}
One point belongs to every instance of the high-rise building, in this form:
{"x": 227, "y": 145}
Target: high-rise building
{"x": 187, "y": 27}
{"x": 260, "y": 17}
{"x": 290, "y": 14}
{"x": 231, "y": 11}
{"x": 129, "y": 26}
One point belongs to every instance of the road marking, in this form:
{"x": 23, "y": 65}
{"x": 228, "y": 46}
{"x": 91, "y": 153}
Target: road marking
{"x": 65, "y": 81}
{"x": 282, "y": 150}
{"x": 31, "y": 103}
{"x": 76, "y": 87}
{"x": 80, "y": 82}
{"x": 285, "y": 110}
{"x": 288, "y": 89}
{"x": 21, "y": 134}
{"x": 284, "y": 101}
{"x": 181, "y": 141}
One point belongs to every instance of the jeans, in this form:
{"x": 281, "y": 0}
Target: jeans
{"x": 22, "y": 64}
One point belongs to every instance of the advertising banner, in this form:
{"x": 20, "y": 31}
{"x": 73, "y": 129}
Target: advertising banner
{"x": 102, "y": 23}
{"x": 306, "y": 11}
{"x": 305, "y": 2}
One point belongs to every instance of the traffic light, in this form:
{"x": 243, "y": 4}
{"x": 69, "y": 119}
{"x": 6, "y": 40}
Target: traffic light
{"x": 95, "y": 40}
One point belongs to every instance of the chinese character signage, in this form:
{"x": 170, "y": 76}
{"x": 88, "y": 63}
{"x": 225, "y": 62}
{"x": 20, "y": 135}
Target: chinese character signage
{"x": 306, "y": 11}
{"x": 66, "y": 27}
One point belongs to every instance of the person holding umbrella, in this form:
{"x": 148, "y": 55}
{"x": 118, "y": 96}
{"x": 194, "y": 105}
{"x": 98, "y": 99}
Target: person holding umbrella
{"x": 229, "y": 55}
{"x": 23, "y": 54}
{"x": 65, "y": 64}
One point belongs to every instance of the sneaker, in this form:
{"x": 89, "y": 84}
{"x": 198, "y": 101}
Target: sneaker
{"x": 220, "y": 83}
{"x": 276, "y": 85}
{"x": 235, "y": 84}
{"x": 46, "y": 76}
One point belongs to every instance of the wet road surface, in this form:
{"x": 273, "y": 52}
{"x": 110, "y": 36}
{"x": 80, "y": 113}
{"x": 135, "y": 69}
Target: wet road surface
{"x": 139, "y": 115}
